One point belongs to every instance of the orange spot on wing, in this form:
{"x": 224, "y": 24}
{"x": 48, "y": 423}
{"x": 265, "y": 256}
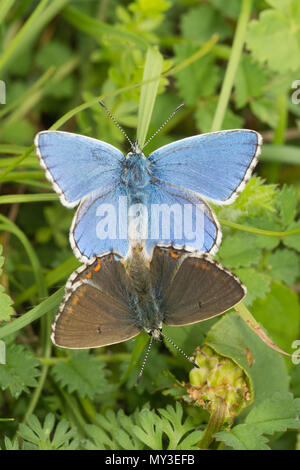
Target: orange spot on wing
{"x": 89, "y": 275}
{"x": 75, "y": 300}
{"x": 97, "y": 268}
{"x": 173, "y": 254}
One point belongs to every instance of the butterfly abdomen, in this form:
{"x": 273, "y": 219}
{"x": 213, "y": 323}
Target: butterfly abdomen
{"x": 145, "y": 302}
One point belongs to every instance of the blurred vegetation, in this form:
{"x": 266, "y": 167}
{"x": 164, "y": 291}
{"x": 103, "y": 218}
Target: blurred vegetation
{"x": 235, "y": 65}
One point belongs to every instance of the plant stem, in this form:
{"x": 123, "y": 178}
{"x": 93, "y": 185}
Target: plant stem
{"x": 232, "y": 66}
{"x": 259, "y": 231}
{"x": 215, "y": 424}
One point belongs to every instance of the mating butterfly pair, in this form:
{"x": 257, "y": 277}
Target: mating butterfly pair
{"x": 108, "y": 300}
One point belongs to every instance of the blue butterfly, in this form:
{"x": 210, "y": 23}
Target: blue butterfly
{"x": 172, "y": 184}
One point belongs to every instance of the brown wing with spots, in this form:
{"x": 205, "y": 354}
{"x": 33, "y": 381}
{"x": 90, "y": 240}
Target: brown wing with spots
{"x": 200, "y": 289}
{"x": 97, "y": 309}
{"x": 164, "y": 264}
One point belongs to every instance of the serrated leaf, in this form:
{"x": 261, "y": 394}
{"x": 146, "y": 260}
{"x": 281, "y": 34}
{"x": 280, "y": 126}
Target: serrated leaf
{"x": 265, "y": 109}
{"x": 201, "y": 22}
{"x": 276, "y": 414}
{"x": 279, "y": 313}
{"x": 243, "y": 437}
{"x": 20, "y": 370}
{"x": 200, "y": 79}
{"x": 257, "y": 198}
{"x": 257, "y": 284}
{"x": 283, "y": 265}
{"x": 6, "y": 310}
{"x": 81, "y": 373}
{"x": 205, "y": 113}
{"x": 250, "y": 82}
{"x": 270, "y": 37}
{"x": 293, "y": 241}
{"x": 267, "y": 223}
{"x": 239, "y": 250}
{"x": 287, "y": 202}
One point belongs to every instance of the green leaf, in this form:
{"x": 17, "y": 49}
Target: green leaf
{"x": 152, "y": 69}
{"x": 257, "y": 284}
{"x": 230, "y": 9}
{"x": 231, "y": 337}
{"x": 21, "y": 132}
{"x": 40, "y": 436}
{"x": 283, "y": 265}
{"x": 201, "y": 22}
{"x": 144, "y": 429}
{"x": 276, "y": 414}
{"x": 251, "y": 79}
{"x": 6, "y": 310}
{"x": 291, "y": 8}
{"x": 53, "y": 52}
{"x": 20, "y": 370}
{"x": 265, "y": 109}
{"x": 270, "y": 37}
{"x": 11, "y": 444}
{"x": 257, "y": 198}
{"x": 205, "y": 113}
{"x": 96, "y": 28}
{"x": 81, "y": 373}
{"x": 114, "y": 431}
{"x": 239, "y": 250}
{"x": 243, "y": 437}
{"x": 279, "y": 313}
{"x": 264, "y": 223}
{"x": 287, "y": 202}
{"x": 200, "y": 79}
{"x": 293, "y": 241}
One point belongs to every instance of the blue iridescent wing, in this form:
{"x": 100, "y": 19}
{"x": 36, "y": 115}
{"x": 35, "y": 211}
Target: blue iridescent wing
{"x": 216, "y": 165}
{"x": 100, "y": 224}
{"x": 76, "y": 165}
{"x": 193, "y": 225}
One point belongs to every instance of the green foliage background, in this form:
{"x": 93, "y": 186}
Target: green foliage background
{"x": 234, "y": 64}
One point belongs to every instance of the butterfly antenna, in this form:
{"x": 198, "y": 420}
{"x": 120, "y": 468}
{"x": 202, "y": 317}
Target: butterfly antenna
{"x": 116, "y": 123}
{"x": 179, "y": 349}
{"x": 144, "y": 362}
{"x": 163, "y": 125}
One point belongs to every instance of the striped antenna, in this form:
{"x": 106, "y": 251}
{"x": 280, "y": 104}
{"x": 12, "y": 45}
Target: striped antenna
{"x": 180, "y": 350}
{"x": 163, "y": 125}
{"x": 144, "y": 362}
{"x": 117, "y": 124}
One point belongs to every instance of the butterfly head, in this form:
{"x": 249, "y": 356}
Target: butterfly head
{"x": 155, "y": 333}
{"x": 136, "y": 151}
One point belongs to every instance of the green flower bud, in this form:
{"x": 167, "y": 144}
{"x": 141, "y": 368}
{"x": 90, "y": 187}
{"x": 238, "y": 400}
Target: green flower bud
{"x": 218, "y": 378}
